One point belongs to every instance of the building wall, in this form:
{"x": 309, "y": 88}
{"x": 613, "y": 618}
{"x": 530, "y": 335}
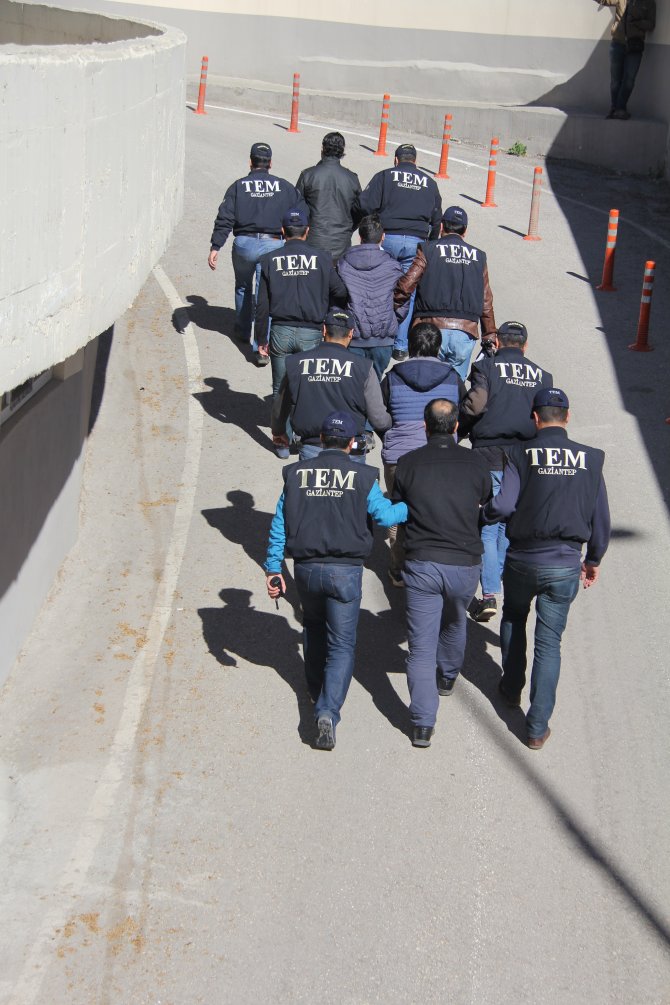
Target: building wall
{"x": 92, "y": 135}
{"x": 91, "y": 187}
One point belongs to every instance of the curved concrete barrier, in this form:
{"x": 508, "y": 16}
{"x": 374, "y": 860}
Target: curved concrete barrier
{"x": 92, "y": 132}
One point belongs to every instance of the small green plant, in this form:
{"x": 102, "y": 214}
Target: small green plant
{"x": 518, "y": 149}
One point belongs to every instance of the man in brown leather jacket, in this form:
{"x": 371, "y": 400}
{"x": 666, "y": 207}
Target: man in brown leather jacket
{"x": 632, "y": 20}
{"x": 451, "y": 279}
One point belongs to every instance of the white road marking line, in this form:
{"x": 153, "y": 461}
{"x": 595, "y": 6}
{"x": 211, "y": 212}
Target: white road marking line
{"x": 73, "y": 878}
{"x": 456, "y": 160}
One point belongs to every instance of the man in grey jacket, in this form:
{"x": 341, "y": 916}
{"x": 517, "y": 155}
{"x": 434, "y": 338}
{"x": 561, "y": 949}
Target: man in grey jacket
{"x": 370, "y": 275}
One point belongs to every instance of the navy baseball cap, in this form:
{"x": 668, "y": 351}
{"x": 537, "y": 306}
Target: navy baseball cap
{"x": 339, "y": 424}
{"x": 339, "y": 318}
{"x": 295, "y": 218}
{"x": 513, "y": 328}
{"x": 455, "y": 214}
{"x": 406, "y": 151}
{"x": 261, "y": 150}
{"x": 550, "y": 396}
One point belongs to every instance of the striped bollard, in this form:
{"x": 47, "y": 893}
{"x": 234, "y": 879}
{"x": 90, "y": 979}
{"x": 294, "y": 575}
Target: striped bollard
{"x": 444, "y": 153}
{"x": 532, "y": 234}
{"x": 491, "y": 179}
{"x": 295, "y": 104}
{"x": 383, "y": 127}
{"x": 200, "y": 110}
{"x": 641, "y": 343}
{"x": 606, "y": 283}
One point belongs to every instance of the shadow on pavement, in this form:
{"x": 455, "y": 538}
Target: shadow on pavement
{"x": 221, "y": 320}
{"x": 482, "y": 671}
{"x": 241, "y": 408}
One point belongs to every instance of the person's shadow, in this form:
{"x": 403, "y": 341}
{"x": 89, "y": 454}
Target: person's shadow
{"x": 241, "y": 408}
{"x": 243, "y": 525}
{"x": 263, "y": 639}
{"x": 378, "y": 653}
{"x": 480, "y": 669}
{"x": 221, "y": 320}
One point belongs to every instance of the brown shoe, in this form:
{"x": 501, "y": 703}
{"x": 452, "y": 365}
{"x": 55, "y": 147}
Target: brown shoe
{"x": 538, "y": 742}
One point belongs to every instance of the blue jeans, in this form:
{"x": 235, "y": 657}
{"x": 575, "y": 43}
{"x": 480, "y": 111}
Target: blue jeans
{"x": 284, "y": 340}
{"x": 245, "y": 257}
{"x": 553, "y": 591}
{"x": 437, "y": 597}
{"x": 623, "y": 71}
{"x": 495, "y": 544}
{"x": 457, "y": 349}
{"x": 379, "y": 354}
{"x": 402, "y": 247}
{"x": 310, "y": 450}
{"x": 331, "y": 599}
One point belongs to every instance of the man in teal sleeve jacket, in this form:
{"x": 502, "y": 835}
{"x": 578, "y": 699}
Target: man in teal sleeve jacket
{"x": 323, "y": 521}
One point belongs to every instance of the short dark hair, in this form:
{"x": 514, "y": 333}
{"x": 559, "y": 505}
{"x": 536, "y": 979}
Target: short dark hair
{"x": 552, "y": 413}
{"x": 454, "y": 228}
{"x": 513, "y": 337}
{"x": 333, "y": 145}
{"x": 295, "y": 231}
{"x": 440, "y": 416}
{"x": 370, "y": 229}
{"x": 425, "y": 339}
{"x": 337, "y": 332}
{"x": 261, "y": 162}
{"x": 335, "y": 442}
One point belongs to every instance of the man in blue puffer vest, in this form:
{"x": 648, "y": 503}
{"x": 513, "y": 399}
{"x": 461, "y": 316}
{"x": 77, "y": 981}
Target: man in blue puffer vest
{"x": 406, "y": 391}
{"x": 370, "y": 275}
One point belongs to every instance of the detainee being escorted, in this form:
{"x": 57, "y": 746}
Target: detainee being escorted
{"x": 370, "y": 276}
{"x": 409, "y": 205}
{"x": 496, "y": 414}
{"x": 451, "y": 279}
{"x": 327, "y": 379}
{"x": 252, "y": 208}
{"x": 443, "y": 485}
{"x": 322, "y": 521}
{"x": 331, "y": 192}
{"x": 554, "y": 499}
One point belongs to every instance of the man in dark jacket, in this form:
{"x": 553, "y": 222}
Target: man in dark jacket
{"x": 370, "y": 276}
{"x": 451, "y": 278}
{"x": 327, "y": 379}
{"x": 406, "y": 390}
{"x": 323, "y": 521}
{"x": 443, "y": 485}
{"x": 410, "y": 208}
{"x": 253, "y": 208}
{"x": 632, "y": 20}
{"x": 331, "y": 193}
{"x": 298, "y": 282}
{"x": 554, "y": 499}
{"x": 496, "y": 414}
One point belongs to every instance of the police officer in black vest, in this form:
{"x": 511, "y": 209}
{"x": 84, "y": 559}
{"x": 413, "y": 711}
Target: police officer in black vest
{"x": 451, "y": 279}
{"x": 327, "y": 379}
{"x": 409, "y": 205}
{"x": 323, "y": 522}
{"x": 554, "y": 499}
{"x": 252, "y": 208}
{"x": 496, "y": 413}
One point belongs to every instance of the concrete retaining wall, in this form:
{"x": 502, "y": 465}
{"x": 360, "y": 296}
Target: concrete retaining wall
{"x": 92, "y": 135}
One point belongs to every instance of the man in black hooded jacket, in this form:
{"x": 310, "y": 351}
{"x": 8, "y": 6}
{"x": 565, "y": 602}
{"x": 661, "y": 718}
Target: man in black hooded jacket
{"x": 331, "y": 193}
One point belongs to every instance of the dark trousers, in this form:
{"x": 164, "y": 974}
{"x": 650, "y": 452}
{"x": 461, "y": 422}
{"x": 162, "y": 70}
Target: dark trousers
{"x": 331, "y": 600}
{"x": 380, "y": 355}
{"x": 623, "y": 71}
{"x": 437, "y": 598}
{"x": 553, "y": 591}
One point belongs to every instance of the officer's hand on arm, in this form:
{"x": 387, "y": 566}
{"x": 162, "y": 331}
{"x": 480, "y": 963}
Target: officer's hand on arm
{"x": 589, "y": 574}
{"x": 274, "y": 592}
{"x": 213, "y": 257}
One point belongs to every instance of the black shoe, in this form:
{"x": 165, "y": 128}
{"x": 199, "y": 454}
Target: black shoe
{"x": 421, "y": 736}
{"x": 325, "y": 739}
{"x": 512, "y": 699}
{"x": 399, "y": 355}
{"x": 445, "y": 685}
{"x": 484, "y": 609}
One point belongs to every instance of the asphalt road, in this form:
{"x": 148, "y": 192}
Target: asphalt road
{"x": 168, "y": 835}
